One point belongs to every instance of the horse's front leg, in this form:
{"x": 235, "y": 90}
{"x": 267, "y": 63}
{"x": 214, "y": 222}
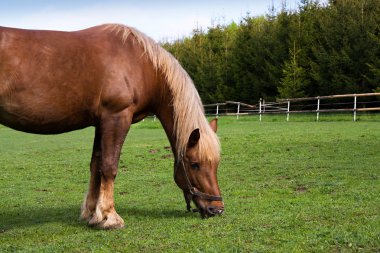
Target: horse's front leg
{"x": 89, "y": 204}
{"x": 112, "y": 132}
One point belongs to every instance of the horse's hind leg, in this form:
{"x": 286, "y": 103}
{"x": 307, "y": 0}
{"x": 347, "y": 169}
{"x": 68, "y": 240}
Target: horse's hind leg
{"x": 112, "y": 131}
{"x": 89, "y": 204}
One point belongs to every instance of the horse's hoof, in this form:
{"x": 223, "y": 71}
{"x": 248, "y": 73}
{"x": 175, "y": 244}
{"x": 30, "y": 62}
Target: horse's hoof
{"x": 95, "y": 220}
{"x": 106, "y": 225}
{"x": 113, "y": 221}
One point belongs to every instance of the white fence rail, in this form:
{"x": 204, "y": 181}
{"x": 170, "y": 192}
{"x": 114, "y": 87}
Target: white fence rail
{"x": 323, "y": 104}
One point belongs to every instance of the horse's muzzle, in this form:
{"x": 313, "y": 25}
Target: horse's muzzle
{"x": 211, "y": 211}
{"x": 215, "y": 210}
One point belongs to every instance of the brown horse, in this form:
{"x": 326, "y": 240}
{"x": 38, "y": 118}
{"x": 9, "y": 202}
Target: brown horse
{"x": 109, "y": 77}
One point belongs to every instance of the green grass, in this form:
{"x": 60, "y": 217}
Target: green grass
{"x": 288, "y": 187}
{"x": 323, "y": 117}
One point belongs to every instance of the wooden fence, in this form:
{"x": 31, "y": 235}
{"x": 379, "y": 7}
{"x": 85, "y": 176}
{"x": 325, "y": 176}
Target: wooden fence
{"x": 321, "y": 104}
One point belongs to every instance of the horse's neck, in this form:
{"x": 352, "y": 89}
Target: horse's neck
{"x": 165, "y": 114}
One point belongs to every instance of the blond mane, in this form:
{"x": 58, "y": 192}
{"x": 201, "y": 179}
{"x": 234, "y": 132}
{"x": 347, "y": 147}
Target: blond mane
{"x": 188, "y": 107}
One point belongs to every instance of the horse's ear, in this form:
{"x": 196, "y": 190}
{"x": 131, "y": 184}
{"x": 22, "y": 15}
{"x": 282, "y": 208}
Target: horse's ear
{"x": 214, "y": 124}
{"x": 194, "y": 138}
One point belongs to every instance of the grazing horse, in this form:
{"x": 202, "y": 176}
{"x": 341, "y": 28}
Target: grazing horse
{"x": 109, "y": 77}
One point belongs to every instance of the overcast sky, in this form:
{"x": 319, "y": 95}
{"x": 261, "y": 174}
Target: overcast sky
{"x": 161, "y": 19}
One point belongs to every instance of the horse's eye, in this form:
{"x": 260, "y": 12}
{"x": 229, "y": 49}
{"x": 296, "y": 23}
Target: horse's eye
{"x": 195, "y": 166}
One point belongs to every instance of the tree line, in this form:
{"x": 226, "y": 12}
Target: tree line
{"x": 318, "y": 49}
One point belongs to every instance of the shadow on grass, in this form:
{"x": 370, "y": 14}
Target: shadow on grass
{"x": 155, "y": 213}
{"x": 69, "y": 215}
{"x": 32, "y": 216}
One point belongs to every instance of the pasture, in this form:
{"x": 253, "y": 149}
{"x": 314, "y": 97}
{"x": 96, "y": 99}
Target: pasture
{"x": 288, "y": 187}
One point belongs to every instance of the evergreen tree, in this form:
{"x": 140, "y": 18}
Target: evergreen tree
{"x": 293, "y": 79}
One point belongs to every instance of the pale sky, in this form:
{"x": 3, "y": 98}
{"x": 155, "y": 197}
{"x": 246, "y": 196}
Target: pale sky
{"x": 160, "y": 19}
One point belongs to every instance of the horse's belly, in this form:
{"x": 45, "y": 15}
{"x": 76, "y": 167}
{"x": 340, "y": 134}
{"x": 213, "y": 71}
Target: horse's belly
{"x": 44, "y": 122}
{"x": 44, "y": 108}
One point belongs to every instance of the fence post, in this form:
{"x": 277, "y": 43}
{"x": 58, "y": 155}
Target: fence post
{"x": 260, "y": 101}
{"x": 263, "y": 105}
{"x": 355, "y": 107}
{"x": 238, "y": 111}
{"x": 217, "y": 111}
{"x": 318, "y": 108}
{"x": 287, "y": 114}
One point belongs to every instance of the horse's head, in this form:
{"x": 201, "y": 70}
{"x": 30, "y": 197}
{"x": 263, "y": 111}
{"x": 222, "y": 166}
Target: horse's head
{"x": 196, "y": 175}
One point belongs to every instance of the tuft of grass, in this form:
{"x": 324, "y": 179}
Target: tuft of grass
{"x": 288, "y": 187}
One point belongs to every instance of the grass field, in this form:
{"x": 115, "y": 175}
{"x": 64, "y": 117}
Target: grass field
{"x": 288, "y": 187}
